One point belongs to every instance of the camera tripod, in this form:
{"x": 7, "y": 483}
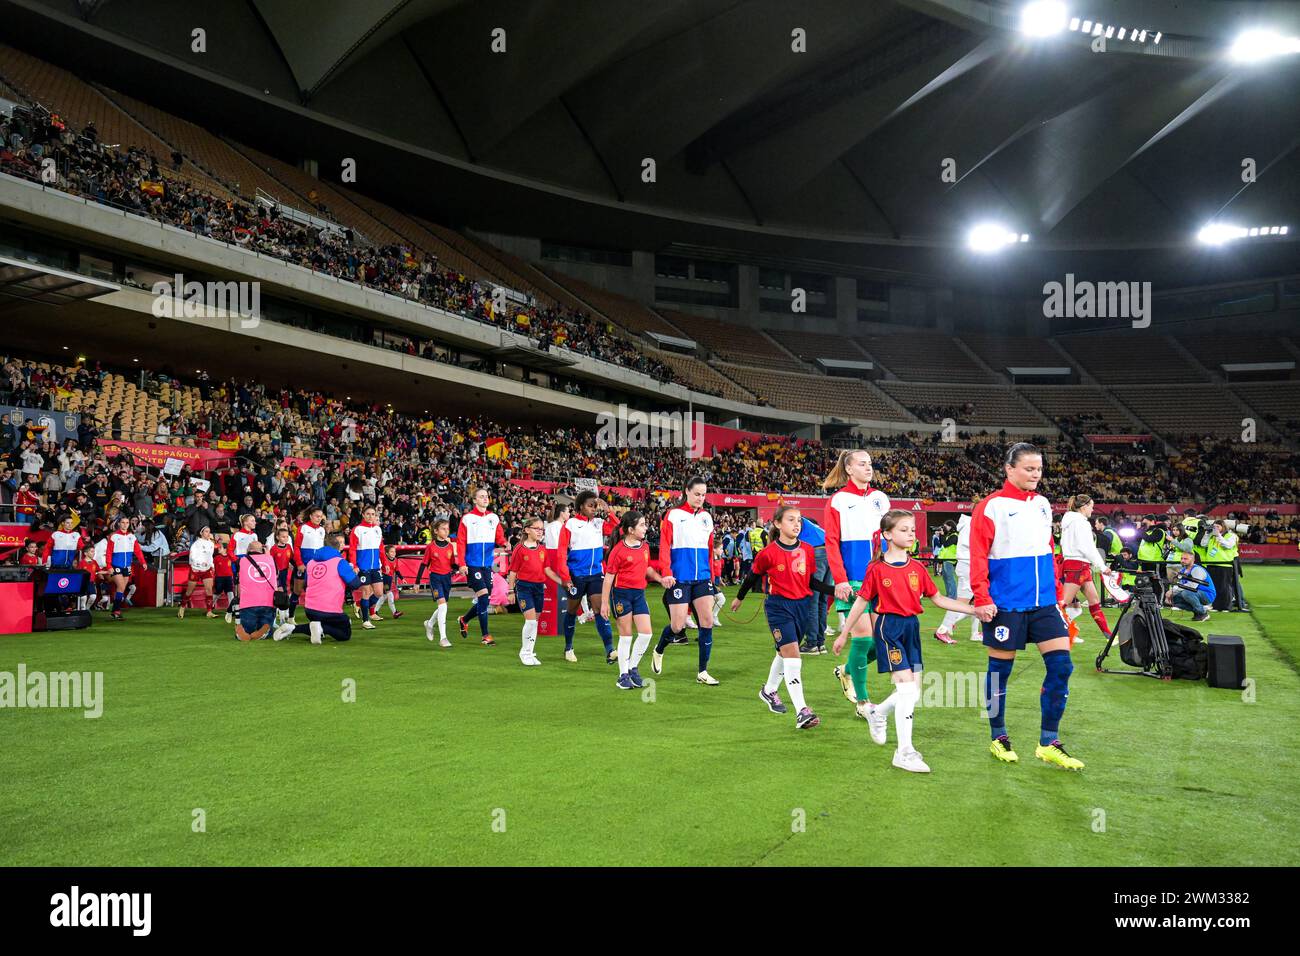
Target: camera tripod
{"x": 1148, "y": 608}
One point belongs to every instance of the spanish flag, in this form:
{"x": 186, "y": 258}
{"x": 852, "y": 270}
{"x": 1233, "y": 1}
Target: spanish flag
{"x": 523, "y": 319}
{"x": 496, "y": 448}
{"x": 151, "y": 187}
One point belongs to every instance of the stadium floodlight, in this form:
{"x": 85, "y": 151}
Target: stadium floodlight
{"x": 1121, "y": 33}
{"x": 1087, "y": 27}
{"x": 1074, "y": 23}
{"x": 1256, "y": 46}
{"x": 1218, "y": 233}
{"x": 991, "y": 237}
{"x": 1043, "y": 18}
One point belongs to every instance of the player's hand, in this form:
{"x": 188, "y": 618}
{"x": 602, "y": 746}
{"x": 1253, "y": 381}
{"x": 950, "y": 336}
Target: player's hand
{"x": 844, "y": 591}
{"x": 668, "y": 582}
{"x": 839, "y": 643}
{"x": 735, "y": 605}
{"x": 986, "y": 612}
{"x": 464, "y": 569}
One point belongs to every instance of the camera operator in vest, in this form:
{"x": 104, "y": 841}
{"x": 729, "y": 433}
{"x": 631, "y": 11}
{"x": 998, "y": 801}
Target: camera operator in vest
{"x": 1152, "y": 543}
{"x": 1221, "y": 547}
{"x": 1109, "y": 544}
{"x": 1193, "y": 590}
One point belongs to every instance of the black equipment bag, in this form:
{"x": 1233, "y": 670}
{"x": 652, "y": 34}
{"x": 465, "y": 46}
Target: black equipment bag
{"x": 1184, "y": 649}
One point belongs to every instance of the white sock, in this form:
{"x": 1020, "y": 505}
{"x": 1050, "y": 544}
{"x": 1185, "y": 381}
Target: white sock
{"x": 908, "y": 694}
{"x": 841, "y": 616}
{"x": 1073, "y": 611}
{"x": 530, "y": 638}
{"x": 774, "y": 674}
{"x": 638, "y": 649}
{"x": 886, "y": 706}
{"x": 624, "y": 653}
{"x": 586, "y": 608}
{"x": 949, "y": 619}
{"x": 440, "y": 616}
{"x": 793, "y": 667}
{"x": 392, "y": 602}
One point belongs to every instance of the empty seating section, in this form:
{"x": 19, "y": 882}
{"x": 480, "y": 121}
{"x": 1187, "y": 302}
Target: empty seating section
{"x": 1074, "y": 401}
{"x": 1119, "y": 358}
{"x": 337, "y": 205}
{"x": 1215, "y": 350}
{"x": 628, "y": 313}
{"x": 528, "y": 277}
{"x": 1278, "y": 399}
{"x": 967, "y": 404}
{"x": 1000, "y": 352}
{"x": 135, "y": 410}
{"x": 734, "y": 343}
{"x": 59, "y": 91}
{"x": 1173, "y": 411}
{"x": 695, "y": 374}
{"x": 418, "y": 234}
{"x": 209, "y": 152}
{"x": 813, "y": 394}
{"x": 811, "y": 346}
{"x": 923, "y": 356}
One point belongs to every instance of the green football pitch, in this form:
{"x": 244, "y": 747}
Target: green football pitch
{"x": 212, "y": 752}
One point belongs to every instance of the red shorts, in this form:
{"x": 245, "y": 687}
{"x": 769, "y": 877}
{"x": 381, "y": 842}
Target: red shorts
{"x": 202, "y": 575}
{"x": 1076, "y": 572}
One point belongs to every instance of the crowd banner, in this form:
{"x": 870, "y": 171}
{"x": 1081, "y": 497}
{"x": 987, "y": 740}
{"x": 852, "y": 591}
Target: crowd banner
{"x": 199, "y": 459}
{"x": 59, "y": 426}
{"x": 302, "y": 464}
{"x": 586, "y": 484}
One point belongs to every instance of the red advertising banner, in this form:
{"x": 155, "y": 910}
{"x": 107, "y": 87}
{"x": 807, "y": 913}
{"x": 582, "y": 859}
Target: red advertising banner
{"x": 303, "y": 464}
{"x": 199, "y": 459}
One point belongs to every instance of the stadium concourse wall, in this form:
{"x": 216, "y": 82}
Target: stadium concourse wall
{"x": 168, "y": 249}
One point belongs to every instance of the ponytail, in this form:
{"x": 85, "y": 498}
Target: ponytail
{"x": 839, "y": 474}
{"x": 1078, "y": 501}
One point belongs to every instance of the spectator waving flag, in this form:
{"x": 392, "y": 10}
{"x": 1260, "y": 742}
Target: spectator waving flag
{"x": 496, "y": 448}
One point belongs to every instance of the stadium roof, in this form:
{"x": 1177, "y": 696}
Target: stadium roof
{"x": 755, "y": 145}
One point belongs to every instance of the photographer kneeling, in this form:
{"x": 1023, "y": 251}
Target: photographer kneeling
{"x": 1193, "y": 590}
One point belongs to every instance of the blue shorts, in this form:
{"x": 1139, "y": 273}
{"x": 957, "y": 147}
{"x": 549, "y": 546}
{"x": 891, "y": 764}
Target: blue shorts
{"x": 478, "y": 579}
{"x": 1012, "y": 630}
{"x": 388, "y": 580}
{"x": 586, "y": 586}
{"x": 440, "y": 586}
{"x": 687, "y": 592}
{"x": 785, "y": 619}
{"x": 628, "y": 601}
{"x": 898, "y": 643}
{"x": 223, "y": 584}
{"x": 282, "y": 577}
{"x": 369, "y": 576}
{"x": 251, "y": 618}
{"x": 530, "y": 595}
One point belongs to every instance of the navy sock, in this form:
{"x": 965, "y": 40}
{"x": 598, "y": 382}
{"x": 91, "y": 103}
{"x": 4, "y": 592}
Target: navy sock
{"x": 606, "y": 635}
{"x": 374, "y": 602}
{"x": 117, "y": 600}
{"x": 665, "y": 638}
{"x": 1056, "y": 690}
{"x": 363, "y": 605}
{"x": 995, "y": 694}
{"x": 570, "y": 625}
{"x": 706, "y": 645}
{"x": 482, "y": 605}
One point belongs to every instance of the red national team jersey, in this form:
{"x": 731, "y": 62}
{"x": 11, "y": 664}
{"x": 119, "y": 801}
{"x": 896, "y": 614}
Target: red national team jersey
{"x": 90, "y": 566}
{"x": 387, "y": 565}
{"x": 282, "y": 554}
{"x": 527, "y": 563}
{"x": 221, "y": 565}
{"x": 789, "y": 570}
{"x": 897, "y": 588}
{"x": 29, "y": 560}
{"x": 628, "y": 565}
{"x": 439, "y": 557}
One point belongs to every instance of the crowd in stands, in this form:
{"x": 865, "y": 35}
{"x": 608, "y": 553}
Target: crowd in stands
{"x": 132, "y": 179}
